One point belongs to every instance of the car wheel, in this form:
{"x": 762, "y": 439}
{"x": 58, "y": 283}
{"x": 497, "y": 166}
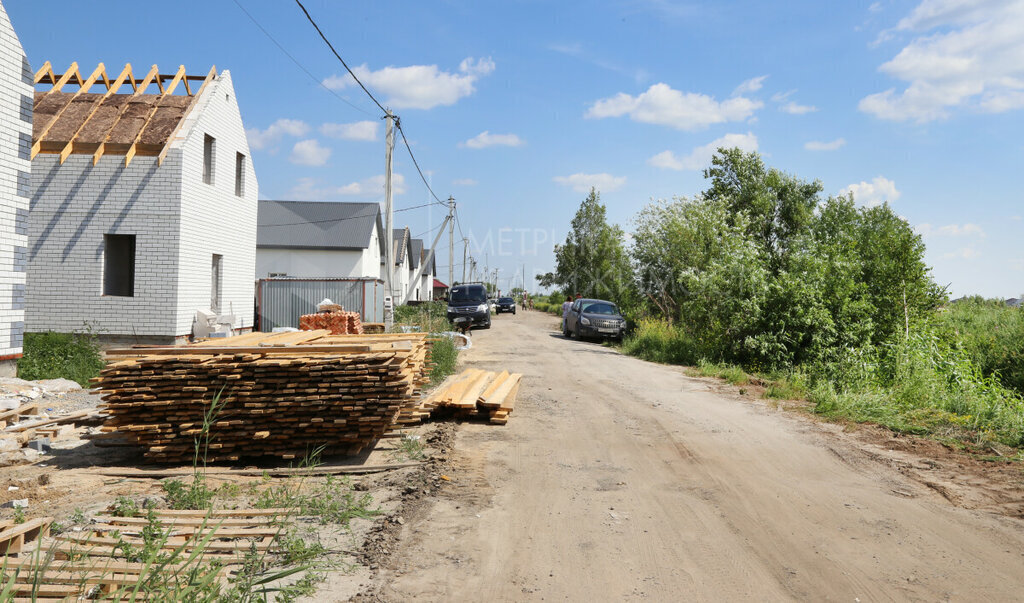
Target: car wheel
{"x": 488, "y": 325}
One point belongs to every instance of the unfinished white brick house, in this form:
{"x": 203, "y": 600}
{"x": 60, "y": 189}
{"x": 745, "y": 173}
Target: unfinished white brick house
{"x": 15, "y": 140}
{"x": 144, "y": 204}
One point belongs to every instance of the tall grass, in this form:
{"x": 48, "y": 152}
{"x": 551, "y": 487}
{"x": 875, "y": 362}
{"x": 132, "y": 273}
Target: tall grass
{"x": 659, "y": 341}
{"x": 74, "y": 356}
{"x": 921, "y": 383}
{"x": 992, "y": 334}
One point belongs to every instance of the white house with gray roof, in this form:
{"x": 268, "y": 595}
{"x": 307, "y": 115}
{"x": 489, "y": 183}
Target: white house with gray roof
{"x": 319, "y": 239}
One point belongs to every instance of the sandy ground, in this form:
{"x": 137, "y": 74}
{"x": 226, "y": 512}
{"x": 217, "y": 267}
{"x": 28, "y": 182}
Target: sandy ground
{"x": 618, "y": 479}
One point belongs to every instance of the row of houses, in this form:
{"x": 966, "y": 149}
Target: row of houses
{"x": 129, "y": 207}
{"x": 306, "y": 239}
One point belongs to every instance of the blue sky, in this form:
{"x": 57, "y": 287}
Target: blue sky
{"x": 516, "y": 108}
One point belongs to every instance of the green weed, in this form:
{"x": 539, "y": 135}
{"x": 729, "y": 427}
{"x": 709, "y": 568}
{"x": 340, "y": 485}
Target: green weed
{"x": 74, "y": 356}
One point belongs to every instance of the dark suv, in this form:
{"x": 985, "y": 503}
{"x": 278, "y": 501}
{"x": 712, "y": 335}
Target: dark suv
{"x": 471, "y": 301}
{"x": 505, "y": 304}
{"x": 594, "y": 318}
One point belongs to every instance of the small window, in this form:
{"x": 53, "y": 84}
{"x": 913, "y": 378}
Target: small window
{"x": 239, "y": 174}
{"x": 208, "y": 156}
{"x": 119, "y": 265}
{"x": 216, "y": 282}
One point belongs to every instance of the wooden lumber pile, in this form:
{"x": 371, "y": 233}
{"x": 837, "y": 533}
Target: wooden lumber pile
{"x": 472, "y": 393}
{"x": 282, "y": 394}
{"x": 338, "y": 322}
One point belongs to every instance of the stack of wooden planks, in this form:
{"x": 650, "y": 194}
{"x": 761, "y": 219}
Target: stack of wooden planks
{"x": 95, "y": 562}
{"x": 282, "y": 395}
{"x": 472, "y": 393}
{"x": 338, "y": 322}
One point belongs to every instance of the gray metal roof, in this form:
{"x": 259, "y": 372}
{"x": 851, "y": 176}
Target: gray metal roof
{"x": 415, "y": 253}
{"x": 316, "y": 224}
{"x": 401, "y": 239}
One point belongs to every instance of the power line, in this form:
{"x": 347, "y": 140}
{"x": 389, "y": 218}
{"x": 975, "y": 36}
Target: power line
{"x": 398, "y": 124}
{"x": 356, "y": 217}
{"x": 300, "y": 65}
{"x": 331, "y": 46}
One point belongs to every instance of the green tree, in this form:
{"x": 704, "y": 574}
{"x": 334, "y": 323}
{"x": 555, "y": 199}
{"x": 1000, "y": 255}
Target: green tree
{"x": 593, "y": 260}
{"x": 779, "y": 206}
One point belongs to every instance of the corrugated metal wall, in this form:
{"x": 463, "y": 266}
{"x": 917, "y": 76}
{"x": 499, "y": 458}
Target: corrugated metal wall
{"x": 281, "y": 301}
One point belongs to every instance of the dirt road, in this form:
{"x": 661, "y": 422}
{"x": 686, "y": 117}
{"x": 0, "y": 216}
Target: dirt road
{"x": 618, "y": 479}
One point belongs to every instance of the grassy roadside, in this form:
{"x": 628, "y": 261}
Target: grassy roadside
{"x": 920, "y": 385}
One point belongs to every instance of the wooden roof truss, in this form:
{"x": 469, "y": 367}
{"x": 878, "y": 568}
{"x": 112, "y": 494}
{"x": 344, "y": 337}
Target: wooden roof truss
{"x": 165, "y": 83}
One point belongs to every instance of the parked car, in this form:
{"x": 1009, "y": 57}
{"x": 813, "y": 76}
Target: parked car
{"x": 471, "y": 301}
{"x": 594, "y": 318}
{"x": 506, "y": 304}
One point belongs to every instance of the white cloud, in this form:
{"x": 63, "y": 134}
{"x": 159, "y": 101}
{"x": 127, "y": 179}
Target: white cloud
{"x": 464, "y": 182}
{"x": 486, "y": 139}
{"x": 1016, "y": 218}
{"x": 360, "y": 130}
{"x": 700, "y": 157}
{"x": 794, "y": 108}
{"x": 418, "y": 86}
{"x": 832, "y": 145}
{"x": 779, "y": 97}
{"x": 752, "y": 85}
{"x": 950, "y": 230}
{"x": 582, "y": 183}
{"x": 873, "y": 193}
{"x": 875, "y": 7}
{"x": 663, "y": 105}
{"x": 311, "y": 188}
{"x": 966, "y": 54}
{"x": 261, "y": 139}
{"x": 966, "y": 253}
{"x": 310, "y": 152}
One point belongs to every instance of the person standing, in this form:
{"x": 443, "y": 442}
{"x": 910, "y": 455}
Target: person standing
{"x": 565, "y": 310}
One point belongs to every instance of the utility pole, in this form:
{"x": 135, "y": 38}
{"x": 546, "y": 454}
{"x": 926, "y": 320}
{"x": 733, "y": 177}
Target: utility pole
{"x": 465, "y": 250}
{"x": 451, "y": 240}
{"x": 389, "y": 264}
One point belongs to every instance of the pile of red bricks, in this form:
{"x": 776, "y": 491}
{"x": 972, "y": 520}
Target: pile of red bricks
{"x": 338, "y": 322}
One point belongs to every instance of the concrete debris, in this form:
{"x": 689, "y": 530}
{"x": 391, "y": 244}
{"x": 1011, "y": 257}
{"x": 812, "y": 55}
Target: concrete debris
{"x": 18, "y": 503}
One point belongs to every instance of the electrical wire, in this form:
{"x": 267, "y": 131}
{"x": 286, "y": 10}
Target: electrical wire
{"x": 357, "y": 217}
{"x": 398, "y": 124}
{"x": 300, "y": 65}
{"x": 331, "y": 46}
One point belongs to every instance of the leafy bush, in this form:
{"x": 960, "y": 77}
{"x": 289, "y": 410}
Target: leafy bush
{"x": 430, "y": 317}
{"x": 74, "y": 356}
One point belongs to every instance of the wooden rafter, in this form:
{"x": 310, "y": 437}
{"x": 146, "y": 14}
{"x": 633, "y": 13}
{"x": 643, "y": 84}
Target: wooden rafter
{"x": 139, "y": 89}
{"x": 44, "y": 71}
{"x": 166, "y": 83}
{"x": 126, "y": 73}
{"x": 164, "y": 92}
{"x": 71, "y": 71}
{"x": 188, "y": 110}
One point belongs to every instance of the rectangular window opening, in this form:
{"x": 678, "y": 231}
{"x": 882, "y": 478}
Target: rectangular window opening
{"x": 239, "y": 174}
{"x": 208, "y": 157}
{"x": 119, "y": 265}
{"x": 216, "y": 282}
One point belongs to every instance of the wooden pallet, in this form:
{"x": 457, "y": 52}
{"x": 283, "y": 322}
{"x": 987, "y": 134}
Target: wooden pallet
{"x": 76, "y": 564}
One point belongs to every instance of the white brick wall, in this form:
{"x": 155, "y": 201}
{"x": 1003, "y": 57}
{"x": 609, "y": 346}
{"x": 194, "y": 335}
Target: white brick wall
{"x": 214, "y": 220}
{"x": 179, "y": 223}
{"x": 73, "y": 206}
{"x": 15, "y": 124}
